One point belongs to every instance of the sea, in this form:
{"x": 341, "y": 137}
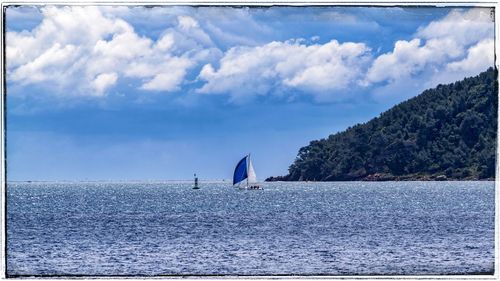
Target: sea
{"x": 287, "y": 229}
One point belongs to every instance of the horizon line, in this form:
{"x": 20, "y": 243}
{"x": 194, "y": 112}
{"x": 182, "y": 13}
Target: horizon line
{"x": 125, "y": 180}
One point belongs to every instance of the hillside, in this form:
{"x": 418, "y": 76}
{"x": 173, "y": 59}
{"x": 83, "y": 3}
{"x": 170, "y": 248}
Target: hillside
{"x": 448, "y": 132}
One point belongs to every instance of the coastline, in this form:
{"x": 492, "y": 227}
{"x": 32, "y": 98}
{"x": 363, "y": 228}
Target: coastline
{"x": 387, "y": 177}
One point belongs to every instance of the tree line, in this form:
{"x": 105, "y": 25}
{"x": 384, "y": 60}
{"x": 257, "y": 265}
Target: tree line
{"x": 448, "y": 132}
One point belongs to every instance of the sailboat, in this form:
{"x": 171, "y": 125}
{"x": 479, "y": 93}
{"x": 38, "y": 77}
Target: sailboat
{"x": 244, "y": 171}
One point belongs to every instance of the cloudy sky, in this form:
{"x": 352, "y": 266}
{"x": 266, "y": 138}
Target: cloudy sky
{"x": 137, "y": 93}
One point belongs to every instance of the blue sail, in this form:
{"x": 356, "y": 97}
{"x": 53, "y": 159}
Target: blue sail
{"x": 240, "y": 172}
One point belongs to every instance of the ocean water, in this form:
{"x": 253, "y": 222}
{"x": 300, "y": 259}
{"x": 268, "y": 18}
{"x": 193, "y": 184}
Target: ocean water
{"x": 337, "y": 228}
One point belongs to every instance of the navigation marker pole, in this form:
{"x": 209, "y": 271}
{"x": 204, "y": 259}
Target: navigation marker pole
{"x": 195, "y": 182}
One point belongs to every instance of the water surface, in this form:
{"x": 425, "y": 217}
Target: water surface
{"x": 338, "y": 228}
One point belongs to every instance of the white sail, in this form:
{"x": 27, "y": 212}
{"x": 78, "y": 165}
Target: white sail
{"x": 252, "y": 177}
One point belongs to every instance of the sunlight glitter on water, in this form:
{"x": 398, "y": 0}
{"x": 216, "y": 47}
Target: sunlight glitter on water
{"x": 338, "y": 228}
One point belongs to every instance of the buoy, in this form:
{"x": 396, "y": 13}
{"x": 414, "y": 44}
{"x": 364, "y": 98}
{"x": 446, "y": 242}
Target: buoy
{"x": 195, "y": 182}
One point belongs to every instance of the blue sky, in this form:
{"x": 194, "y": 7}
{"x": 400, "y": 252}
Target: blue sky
{"x": 135, "y": 93}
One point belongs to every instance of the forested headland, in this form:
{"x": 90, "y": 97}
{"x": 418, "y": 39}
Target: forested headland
{"x": 445, "y": 133}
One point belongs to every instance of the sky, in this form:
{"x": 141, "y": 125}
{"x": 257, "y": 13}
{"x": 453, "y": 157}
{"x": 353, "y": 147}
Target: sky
{"x": 161, "y": 93}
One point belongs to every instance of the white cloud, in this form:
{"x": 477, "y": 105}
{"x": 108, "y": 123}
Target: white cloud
{"x": 104, "y": 81}
{"x": 337, "y": 16}
{"x": 86, "y": 49}
{"x": 440, "y": 46}
{"x": 47, "y": 65}
{"x": 126, "y": 45}
{"x": 165, "y": 81}
{"x": 187, "y": 23}
{"x": 465, "y": 27}
{"x": 318, "y": 69}
{"x": 479, "y": 57}
{"x": 165, "y": 42}
{"x": 233, "y": 26}
{"x": 410, "y": 58}
{"x": 168, "y": 76}
{"x": 455, "y": 44}
{"x": 65, "y": 26}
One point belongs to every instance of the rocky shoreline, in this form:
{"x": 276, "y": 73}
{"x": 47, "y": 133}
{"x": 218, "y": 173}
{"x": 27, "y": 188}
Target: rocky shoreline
{"x": 389, "y": 177}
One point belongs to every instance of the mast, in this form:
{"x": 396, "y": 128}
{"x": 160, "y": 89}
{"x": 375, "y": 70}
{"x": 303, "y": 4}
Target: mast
{"x": 248, "y": 165}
